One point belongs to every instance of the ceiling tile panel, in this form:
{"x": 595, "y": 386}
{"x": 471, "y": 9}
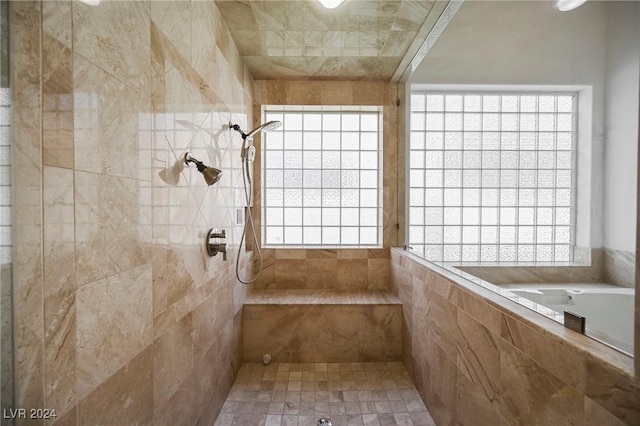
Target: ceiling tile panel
{"x": 242, "y": 13}
{"x": 300, "y": 39}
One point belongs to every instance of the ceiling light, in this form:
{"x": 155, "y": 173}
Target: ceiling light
{"x": 330, "y": 4}
{"x": 91, "y": 2}
{"x": 566, "y": 5}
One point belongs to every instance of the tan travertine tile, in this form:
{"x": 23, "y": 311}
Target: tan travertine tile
{"x": 344, "y": 407}
{"x": 283, "y": 331}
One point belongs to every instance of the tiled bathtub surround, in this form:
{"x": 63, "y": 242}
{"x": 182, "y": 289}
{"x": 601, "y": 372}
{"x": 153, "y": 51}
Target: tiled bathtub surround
{"x": 350, "y": 394}
{"x": 120, "y": 316}
{"x": 620, "y": 267}
{"x": 605, "y": 265}
{"x": 479, "y": 359}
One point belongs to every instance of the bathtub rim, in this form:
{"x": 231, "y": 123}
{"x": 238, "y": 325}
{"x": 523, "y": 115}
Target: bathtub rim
{"x": 594, "y": 332}
{"x": 473, "y": 286}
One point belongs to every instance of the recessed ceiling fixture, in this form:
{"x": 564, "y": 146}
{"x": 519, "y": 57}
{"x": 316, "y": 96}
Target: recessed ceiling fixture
{"x": 330, "y": 4}
{"x": 566, "y": 5}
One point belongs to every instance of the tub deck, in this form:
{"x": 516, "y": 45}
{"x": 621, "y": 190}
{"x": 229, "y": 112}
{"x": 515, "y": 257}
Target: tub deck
{"x": 608, "y": 309}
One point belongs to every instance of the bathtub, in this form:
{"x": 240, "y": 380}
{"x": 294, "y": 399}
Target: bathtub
{"x": 608, "y": 309}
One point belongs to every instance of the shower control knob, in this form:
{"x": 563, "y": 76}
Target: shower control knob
{"x": 215, "y": 234}
{"x": 213, "y": 244}
{"x": 222, "y": 248}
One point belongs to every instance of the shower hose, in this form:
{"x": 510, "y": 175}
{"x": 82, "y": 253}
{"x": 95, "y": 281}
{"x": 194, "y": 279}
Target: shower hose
{"x": 247, "y": 162}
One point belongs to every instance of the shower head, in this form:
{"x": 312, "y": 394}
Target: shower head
{"x": 211, "y": 174}
{"x": 266, "y": 127}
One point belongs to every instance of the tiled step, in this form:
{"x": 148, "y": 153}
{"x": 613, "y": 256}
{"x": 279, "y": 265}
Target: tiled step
{"x": 322, "y": 326}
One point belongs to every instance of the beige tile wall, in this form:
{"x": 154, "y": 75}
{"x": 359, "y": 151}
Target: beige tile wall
{"x": 636, "y": 317}
{"x": 334, "y": 269}
{"x": 323, "y": 332}
{"x": 346, "y": 269}
{"x": 478, "y": 359}
{"x": 101, "y": 240}
{"x": 121, "y": 317}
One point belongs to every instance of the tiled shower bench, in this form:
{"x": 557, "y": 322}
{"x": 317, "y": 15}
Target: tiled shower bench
{"x": 322, "y": 326}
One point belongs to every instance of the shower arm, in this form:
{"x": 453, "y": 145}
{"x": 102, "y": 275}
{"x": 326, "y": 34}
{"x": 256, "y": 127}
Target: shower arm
{"x": 243, "y": 150}
{"x": 238, "y": 129}
{"x": 188, "y": 158}
{"x": 265, "y": 127}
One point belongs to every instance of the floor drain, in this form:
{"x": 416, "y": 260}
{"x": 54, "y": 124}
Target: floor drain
{"x": 324, "y": 422}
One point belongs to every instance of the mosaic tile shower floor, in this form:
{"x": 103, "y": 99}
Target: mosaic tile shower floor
{"x": 298, "y": 394}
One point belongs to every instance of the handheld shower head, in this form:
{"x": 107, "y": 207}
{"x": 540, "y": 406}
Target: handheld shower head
{"x": 247, "y": 154}
{"x": 266, "y": 127}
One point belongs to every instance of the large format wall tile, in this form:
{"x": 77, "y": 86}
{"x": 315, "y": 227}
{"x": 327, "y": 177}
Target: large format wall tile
{"x": 615, "y": 391}
{"x": 59, "y": 289}
{"x": 486, "y": 315}
{"x": 124, "y": 398}
{"x": 59, "y": 231}
{"x": 533, "y": 395}
{"x": 60, "y": 351}
{"x": 122, "y": 318}
{"x": 472, "y": 406}
{"x": 441, "y": 391}
{"x": 352, "y": 273}
{"x": 596, "y": 415}
{"x": 443, "y": 325}
{"x": 341, "y": 269}
{"x": 562, "y": 360}
{"x": 619, "y": 267}
{"x": 171, "y": 367}
{"x": 107, "y": 226}
{"x": 57, "y": 85}
{"x": 210, "y": 318}
{"x": 115, "y": 37}
{"x": 114, "y": 322}
{"x": 27, "y": 208}
{"x": 321, "y": 272}
{"x": 108, "y": 117}
{"x": 180, "y": 409}
{"x": 347, "y": 333}
{"x": 216, "y": 370}
{"x": 203, "y": 51}
{"x": 173, "y": 21}
{"x": 479, "y": 357}
{"x": 501, "y": 366}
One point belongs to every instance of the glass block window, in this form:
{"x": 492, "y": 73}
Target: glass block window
{"x": 5, "y": 177}
{"x": 321, "y": 177}
{"x": 491, "y": 176}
